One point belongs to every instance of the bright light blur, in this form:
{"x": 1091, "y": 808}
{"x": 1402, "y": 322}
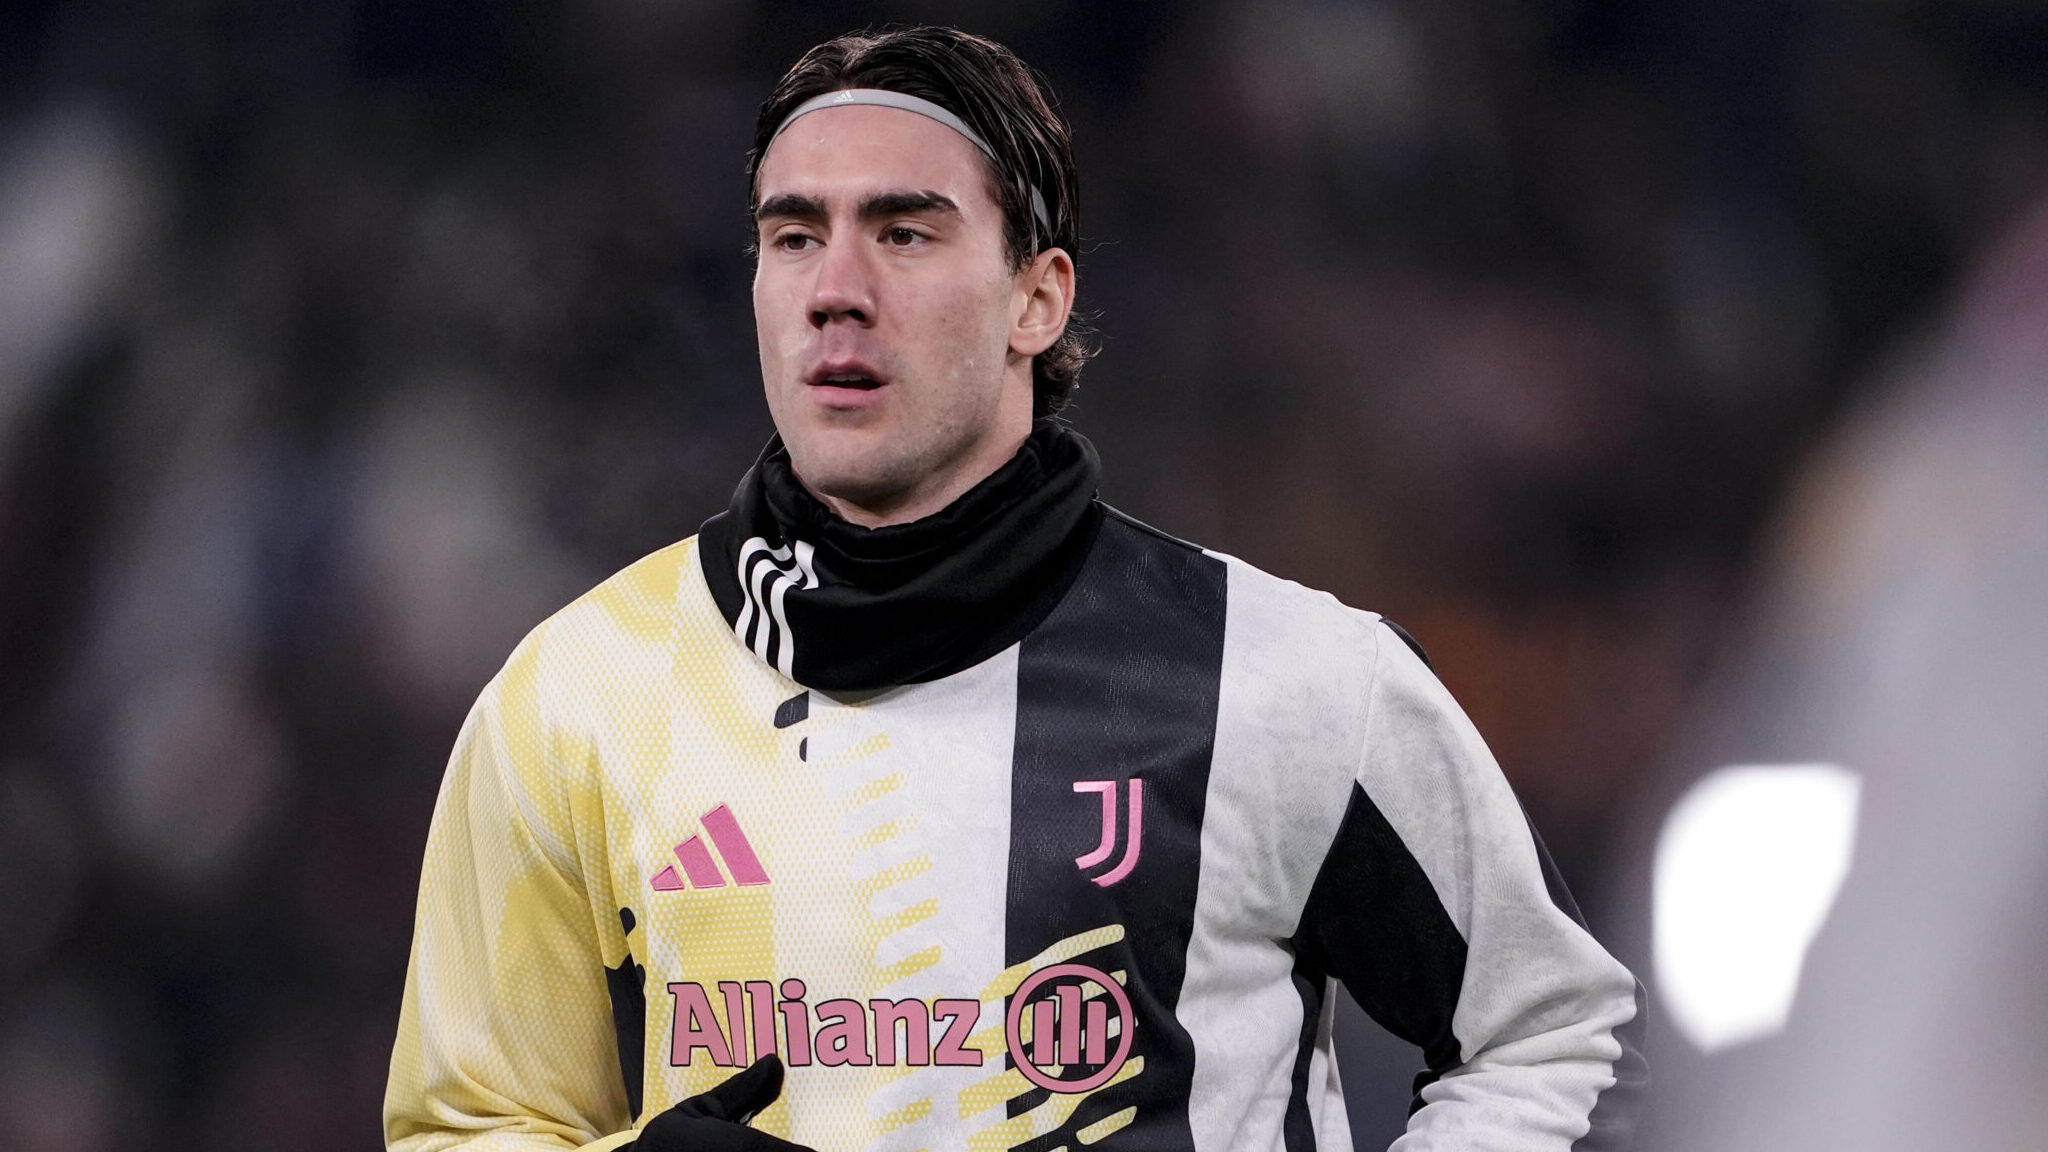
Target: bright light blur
{"x": 1747, "y": 866}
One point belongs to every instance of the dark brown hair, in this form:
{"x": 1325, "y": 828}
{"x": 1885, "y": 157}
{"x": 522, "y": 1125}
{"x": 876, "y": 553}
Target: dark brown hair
{"x": 1004, "y": 101}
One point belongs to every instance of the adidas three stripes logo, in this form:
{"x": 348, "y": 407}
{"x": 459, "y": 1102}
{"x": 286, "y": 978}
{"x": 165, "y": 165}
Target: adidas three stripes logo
{"x": 700, "y": 867}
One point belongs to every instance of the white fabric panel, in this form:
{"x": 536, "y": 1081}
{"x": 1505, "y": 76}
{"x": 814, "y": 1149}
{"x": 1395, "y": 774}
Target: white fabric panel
{"x": 950, "y": 741}
{"x": 1541, "y": 999}
{"x": 1290, "y": 718}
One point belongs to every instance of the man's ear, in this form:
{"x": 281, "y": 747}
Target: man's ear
{"x": 1045, "y": 296}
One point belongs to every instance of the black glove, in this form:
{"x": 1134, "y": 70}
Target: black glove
{"x": 716, "y": 1121}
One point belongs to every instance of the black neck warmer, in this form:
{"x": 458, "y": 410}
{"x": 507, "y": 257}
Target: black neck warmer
{"x": 843, "y": 608}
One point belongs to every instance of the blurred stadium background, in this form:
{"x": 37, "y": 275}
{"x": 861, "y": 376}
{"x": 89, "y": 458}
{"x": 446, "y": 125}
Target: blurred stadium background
{"x": 341, "y": 342}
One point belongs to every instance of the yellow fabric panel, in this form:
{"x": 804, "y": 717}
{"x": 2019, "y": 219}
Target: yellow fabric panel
{"x": 610, "y": 734}
{"x": 505, "y": 1037}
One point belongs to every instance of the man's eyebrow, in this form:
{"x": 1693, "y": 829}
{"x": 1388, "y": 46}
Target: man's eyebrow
{"x": 906, "y": 204}
{"x": 792, "y": 204}
{"x": 796, "y": 205}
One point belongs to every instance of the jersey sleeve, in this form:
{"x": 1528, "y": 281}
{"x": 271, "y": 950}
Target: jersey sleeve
{"x": 505, "y": 1038}
{"x": 1437, "y": 907}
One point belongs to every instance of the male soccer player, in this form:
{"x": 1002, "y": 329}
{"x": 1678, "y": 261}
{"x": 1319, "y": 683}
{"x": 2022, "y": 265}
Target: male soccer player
{"x": 998, "y": 819}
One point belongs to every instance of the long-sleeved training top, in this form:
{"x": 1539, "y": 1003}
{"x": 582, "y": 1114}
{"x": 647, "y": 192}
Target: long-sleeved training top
{"x": 1095, "y": 890}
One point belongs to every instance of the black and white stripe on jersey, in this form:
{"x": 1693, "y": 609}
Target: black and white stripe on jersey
{"x": 1120, "y": 683}
{"x": 1374, "y": 921}
{"x": 766, "y": 574}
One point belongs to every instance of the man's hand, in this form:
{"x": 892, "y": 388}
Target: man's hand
{"x": 716, "y": 1121}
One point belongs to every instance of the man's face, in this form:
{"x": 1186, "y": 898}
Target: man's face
{"x": 896, "y": 339}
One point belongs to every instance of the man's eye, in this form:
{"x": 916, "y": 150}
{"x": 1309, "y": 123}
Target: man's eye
{"x": 794, "y": 241}
{"x": 903, "y": 236}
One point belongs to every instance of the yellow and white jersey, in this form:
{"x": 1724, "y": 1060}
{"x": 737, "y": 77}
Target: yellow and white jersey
{"x": 1092, "y": 890}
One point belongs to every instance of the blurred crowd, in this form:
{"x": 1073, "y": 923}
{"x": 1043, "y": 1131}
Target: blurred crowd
{"x": 342, "y": 342}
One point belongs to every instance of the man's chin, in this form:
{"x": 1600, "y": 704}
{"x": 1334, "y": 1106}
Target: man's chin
{"x": 848, "y": 482}
{"x": 871, "y": 477}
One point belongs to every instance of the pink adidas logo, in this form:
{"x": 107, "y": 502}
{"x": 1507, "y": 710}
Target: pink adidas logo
{"x": 701, "y": 868}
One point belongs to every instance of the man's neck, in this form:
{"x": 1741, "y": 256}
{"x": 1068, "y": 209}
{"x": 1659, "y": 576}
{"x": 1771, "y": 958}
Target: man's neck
{"x": 924, "y": 499}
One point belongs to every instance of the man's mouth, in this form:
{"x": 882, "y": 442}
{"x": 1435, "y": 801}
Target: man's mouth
{"x": 842, "y": 379}
{"x": 848, "y": 380}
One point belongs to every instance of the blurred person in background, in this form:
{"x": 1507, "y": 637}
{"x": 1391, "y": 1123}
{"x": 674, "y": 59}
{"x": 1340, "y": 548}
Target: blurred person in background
{"x": 1850, "y": 906}
{"x": 996, "y": 815}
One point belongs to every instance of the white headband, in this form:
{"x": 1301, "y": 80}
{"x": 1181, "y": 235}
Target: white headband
{"x": 883, "y": 98}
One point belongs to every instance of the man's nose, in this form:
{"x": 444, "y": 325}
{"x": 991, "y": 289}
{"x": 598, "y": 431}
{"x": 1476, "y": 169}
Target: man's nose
{"x": 844, "y": 288}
